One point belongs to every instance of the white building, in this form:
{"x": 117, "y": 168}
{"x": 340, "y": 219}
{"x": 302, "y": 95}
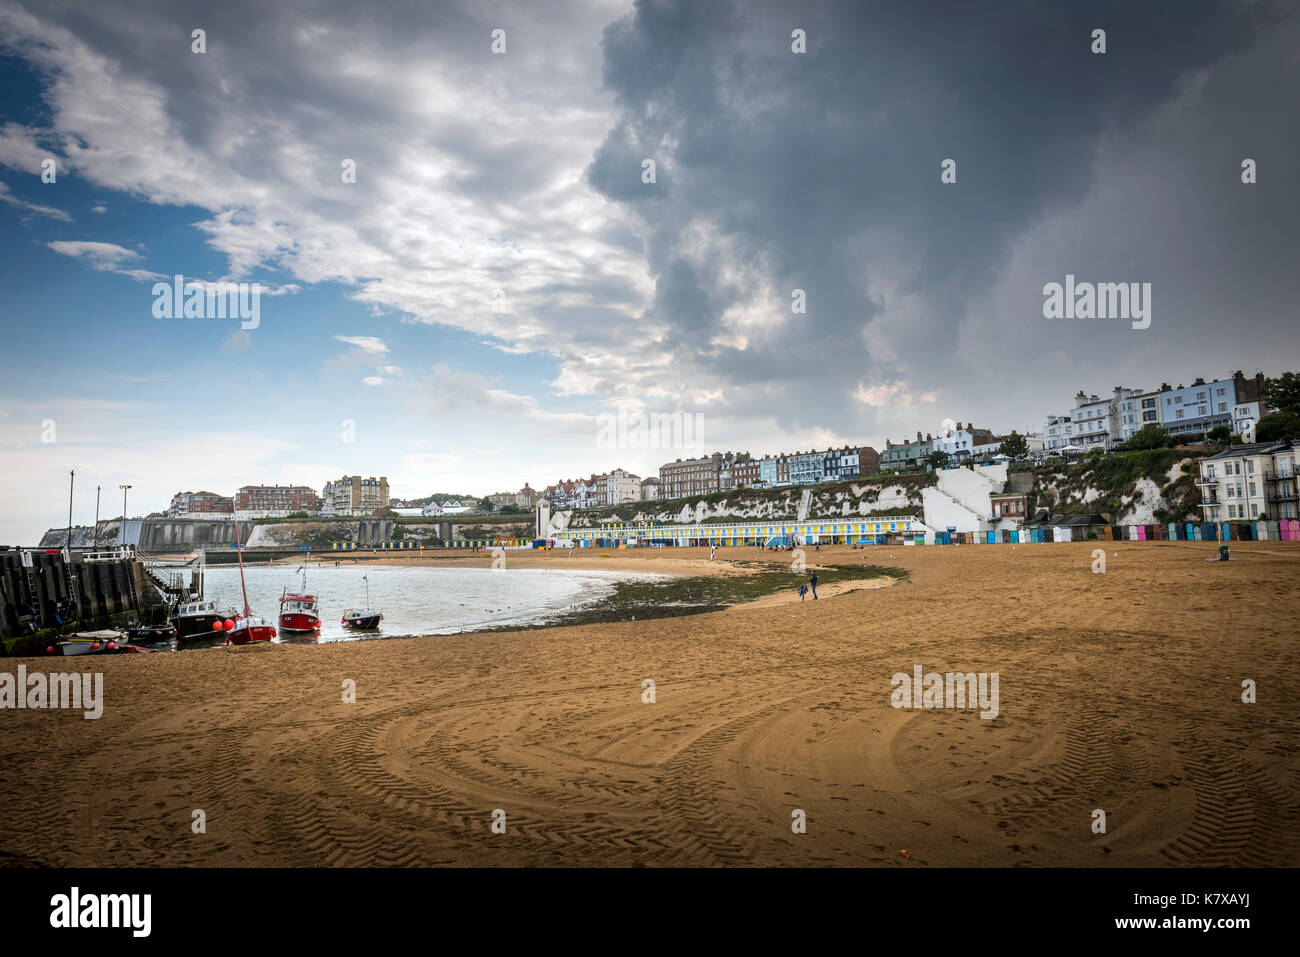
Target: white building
{"x": 619, "y": 486}
{"x": 1058, "y": 433}
{"x": 1248, "y": 481}
{"x": 445, "y": 508}
{"x": 649, "y": 489}
{"x": 1191, "y": 411}
{"x": 961, "y": 441}
{"x": 1095, "y": 421}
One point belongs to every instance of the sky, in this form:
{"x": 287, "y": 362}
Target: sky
{"x": 499, "y": 279}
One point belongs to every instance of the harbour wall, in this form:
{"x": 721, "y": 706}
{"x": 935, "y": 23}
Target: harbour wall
{"x": 39, "y": 591}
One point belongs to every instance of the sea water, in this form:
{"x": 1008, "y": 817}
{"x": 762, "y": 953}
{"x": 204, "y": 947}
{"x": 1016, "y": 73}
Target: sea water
{"x": 416, "y": 600}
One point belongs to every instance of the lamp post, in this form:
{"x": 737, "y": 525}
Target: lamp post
{"x": 97, "y": 517}
{"x": 72, "y": 481}
{"x": 123, "y": 532}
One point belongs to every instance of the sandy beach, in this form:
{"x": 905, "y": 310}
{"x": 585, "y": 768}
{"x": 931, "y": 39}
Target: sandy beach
{"x": 1118, "y": 691}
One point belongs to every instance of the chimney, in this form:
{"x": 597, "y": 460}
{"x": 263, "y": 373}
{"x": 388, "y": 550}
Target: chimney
{"x": 918, "y": 436}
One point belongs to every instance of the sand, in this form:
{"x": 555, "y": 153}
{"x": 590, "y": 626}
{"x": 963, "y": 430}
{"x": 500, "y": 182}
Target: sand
{"x": 1118, "y": 691}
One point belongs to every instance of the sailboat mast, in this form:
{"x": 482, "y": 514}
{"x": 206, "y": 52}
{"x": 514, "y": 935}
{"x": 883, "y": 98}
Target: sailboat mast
{"x": 239, "y": 553}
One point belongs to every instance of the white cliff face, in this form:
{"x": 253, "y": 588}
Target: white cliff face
{"x": 828, "y": 502}
{"x": 1142, "y": 507}
{"x": 293, "y": 534}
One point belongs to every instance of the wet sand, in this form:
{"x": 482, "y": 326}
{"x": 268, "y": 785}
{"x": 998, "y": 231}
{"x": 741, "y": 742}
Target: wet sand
{"x": 1118, "y": 691}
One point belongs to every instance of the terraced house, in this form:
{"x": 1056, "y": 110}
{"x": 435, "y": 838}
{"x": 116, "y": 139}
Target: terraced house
{"x": 906, "y": 455}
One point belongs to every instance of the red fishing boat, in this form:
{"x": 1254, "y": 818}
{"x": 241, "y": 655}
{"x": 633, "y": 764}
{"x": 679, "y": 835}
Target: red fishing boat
{"x": 247, "y": 628}
{"x": 299, "y": 613}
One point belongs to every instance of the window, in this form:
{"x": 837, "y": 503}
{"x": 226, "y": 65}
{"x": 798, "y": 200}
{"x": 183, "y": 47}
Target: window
{"x": 1250, "y": 467}
{"x": 1220, "y": 392}
{"x": 1200, "y": 397}
{"x": 1178, "y": 400}
{"x": 1223, "y": 407}
{"x": 1180, "y": 413}
{"x": 1253, "y": 493}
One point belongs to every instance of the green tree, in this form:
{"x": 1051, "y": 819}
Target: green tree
{"x": 1150, "y": 437}
{"x": 1220, "y": 434}
{"x": 1278, "y": 427}
{"x": 485, "y": 504}
{"x": 1014, "y": 446}
{"x": 937, "y": 459}
{"x": 1283, "y": 393}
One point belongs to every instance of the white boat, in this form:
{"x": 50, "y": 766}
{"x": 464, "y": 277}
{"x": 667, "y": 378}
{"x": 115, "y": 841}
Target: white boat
{"x": 90, "y": 643}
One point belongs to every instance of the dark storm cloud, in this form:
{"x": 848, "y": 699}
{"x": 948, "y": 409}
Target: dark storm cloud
{"x": 821, "y": 171}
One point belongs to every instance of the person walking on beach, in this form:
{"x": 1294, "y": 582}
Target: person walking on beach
{"x": 803, "y": 592}
{"x": 713, "y": 550}
{"x": 813, "y": 582}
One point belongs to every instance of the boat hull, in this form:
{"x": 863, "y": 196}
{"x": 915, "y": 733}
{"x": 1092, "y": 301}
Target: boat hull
{"x": 71, "y": 647}
{"x": 151, "y": 635}
{"x": 197, "y": 626}
{"x": 299, "y": 623}
{"x": 363, "y": 622}
{"x": 250, "y": 632}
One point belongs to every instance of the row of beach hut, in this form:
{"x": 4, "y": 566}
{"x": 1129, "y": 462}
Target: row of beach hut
{"x": 1285, "y": 530}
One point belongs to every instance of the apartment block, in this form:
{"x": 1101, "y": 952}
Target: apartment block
{"x": 1247, "y": 481}
{"x": 745, "y": 472}
{"x": 774, "y": 470}
{"x": 1188, "y": 412}
{"x": 201, "y": 505}
{"x": 807, "y": 468}
{"x": 274, "y": 501}
{"x": 354, "y": 495}
{"x": 691, "y": 476}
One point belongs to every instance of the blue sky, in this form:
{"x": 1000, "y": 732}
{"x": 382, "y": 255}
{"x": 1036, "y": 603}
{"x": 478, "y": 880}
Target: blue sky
{"x": 519, "y": 175}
